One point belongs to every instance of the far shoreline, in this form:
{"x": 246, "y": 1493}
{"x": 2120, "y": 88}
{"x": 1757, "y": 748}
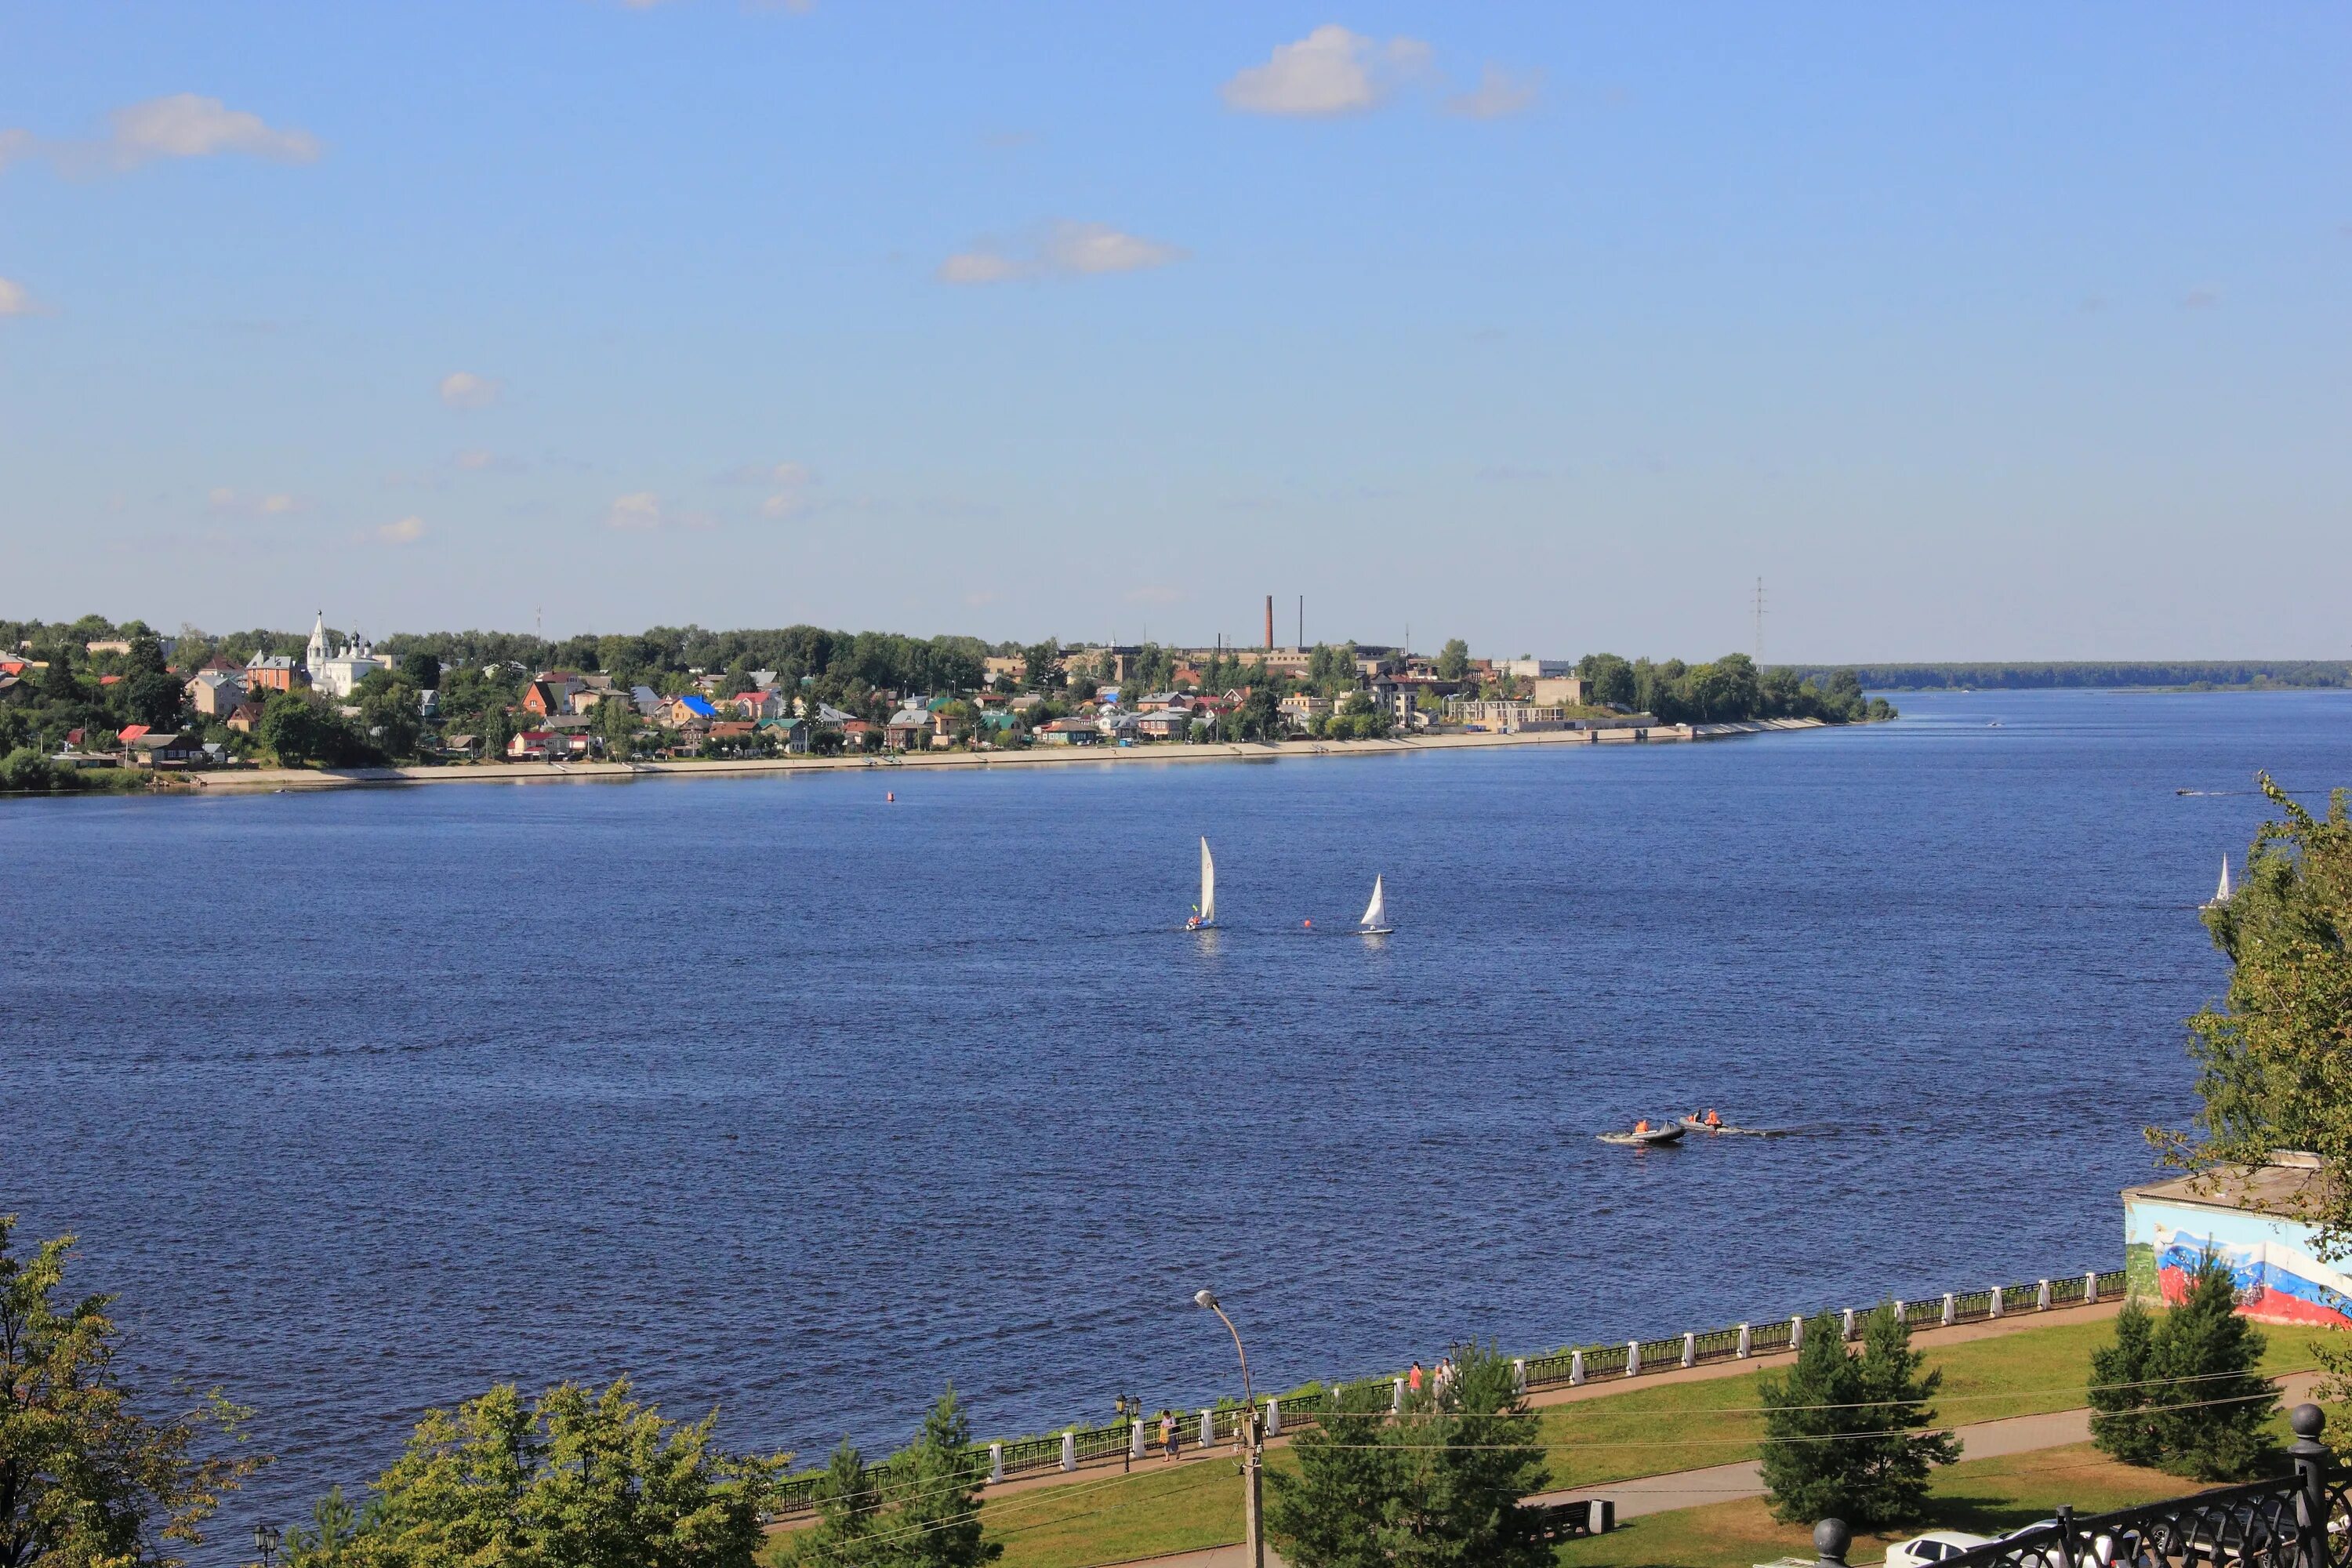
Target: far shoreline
{"x": 277, "y": 780}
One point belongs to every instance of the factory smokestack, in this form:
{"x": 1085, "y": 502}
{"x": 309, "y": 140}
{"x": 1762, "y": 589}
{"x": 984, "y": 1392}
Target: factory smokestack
{"x": 1269, "y": 623}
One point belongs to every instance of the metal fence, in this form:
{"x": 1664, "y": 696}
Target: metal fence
{"x": 2298, "y": 1521}
{"x": 1083, "y": 1445}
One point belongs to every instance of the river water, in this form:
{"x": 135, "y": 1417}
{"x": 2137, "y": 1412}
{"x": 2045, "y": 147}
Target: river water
{"x": 779, "y": 1095}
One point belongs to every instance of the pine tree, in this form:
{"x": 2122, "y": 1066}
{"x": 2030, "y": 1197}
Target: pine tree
{"x": 1843, "y": 1434}
{"x": 1439, "y": 1486}
{"x": 2212, "y": 1407}
{"x": 848, "y": 1509}
{"x": 1347, "y": 1483}
{"x": 1891, "y": 1471}
{"x": 2121, "y": 1424}
{"x": 933, "y": 1496}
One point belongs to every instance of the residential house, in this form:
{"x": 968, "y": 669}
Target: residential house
{"x": 164, "y": 750}
{"x": 531, "y": 745}
{"x": 244, "y": 717}
{"x": 132, "y": 733}
{"x": 680, "y": 712}
{"x": 1301, "y": 710}
{"x": 647, "y": 699}
{"x": 466, "y": 747}
{"x": 855, "y": 731}
{"x": 1026, "y": 702}
{"x": 215, "y": 692}
{"x": 1164, "y": 724}
{"x": 550, "y": 695}
{"x": 828, "y": 716}
{"x": 791, "y": 734}
{"x": 907, "y": 728}
{"x": 758, "y": 705}
{"x": 1010, "y": 667}
{"x": 273, "y": 672}
{"x": 1071, "y": 733}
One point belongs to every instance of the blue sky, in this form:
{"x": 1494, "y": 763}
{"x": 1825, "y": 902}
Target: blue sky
{"x": 1977, "y": 331}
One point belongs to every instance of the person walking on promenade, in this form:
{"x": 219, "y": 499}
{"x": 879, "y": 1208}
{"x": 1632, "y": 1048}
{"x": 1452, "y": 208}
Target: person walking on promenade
{"x": 1413, "y": 1379}
{"x": 1168, "y": 1433}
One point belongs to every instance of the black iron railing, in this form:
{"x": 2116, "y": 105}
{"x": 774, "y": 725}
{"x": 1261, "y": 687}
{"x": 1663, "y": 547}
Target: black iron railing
{"x": 2302, "y": 1520}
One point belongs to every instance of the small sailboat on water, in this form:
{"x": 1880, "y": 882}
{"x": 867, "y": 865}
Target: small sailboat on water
{"x": 2221, "y": 894}
{"x": 1376, "y": 914}
{"x": 1204, "y": 913}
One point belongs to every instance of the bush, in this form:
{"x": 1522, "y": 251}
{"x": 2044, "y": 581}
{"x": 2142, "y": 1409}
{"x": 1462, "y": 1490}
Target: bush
{"x": 25, "y": 771}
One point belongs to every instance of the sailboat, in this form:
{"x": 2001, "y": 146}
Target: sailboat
{"x": 1376, "y": 914}
{"x": 1204, "y": 913}
{"x": 2221, "y": 894}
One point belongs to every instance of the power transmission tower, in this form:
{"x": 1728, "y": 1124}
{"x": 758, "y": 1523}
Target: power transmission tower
{"x": 1759, "y": 623}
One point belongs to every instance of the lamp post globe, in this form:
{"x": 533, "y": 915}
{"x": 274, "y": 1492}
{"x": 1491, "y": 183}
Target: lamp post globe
{"x": 264, "y": 1541}
{"x": 1205, "y": 1299}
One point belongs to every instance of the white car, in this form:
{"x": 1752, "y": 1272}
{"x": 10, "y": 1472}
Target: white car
{"x": 1933, "y": 1547}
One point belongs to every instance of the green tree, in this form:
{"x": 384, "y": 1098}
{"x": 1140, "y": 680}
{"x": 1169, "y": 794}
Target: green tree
{"x": 332, "y": 1540}
{"x": 1454, "y": 659}
{"x": 2211, "y": 1407}
{"x": 933, "y": 1496}
{"x": 1843, "y": 1433}
{"x": 1324, "y": 1514}
{"x": 849, "y": 1512}
{"x": 573, "y": 1479}
{"x": 25, "y": 771}
{"x": 616, "y": 721}
{"x": 2275, "y": 1060}
{"x": 422, "y": 671}
{"x": 2121, "y": 1422}
{"x": 1440, "y": 1485}
{"x": 498, "y": 729}
{"x": 292, "y": 728}
{"x": 87, "y": 1481}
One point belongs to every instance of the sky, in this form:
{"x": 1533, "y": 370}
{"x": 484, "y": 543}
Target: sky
{"x": 1981, "y": 332}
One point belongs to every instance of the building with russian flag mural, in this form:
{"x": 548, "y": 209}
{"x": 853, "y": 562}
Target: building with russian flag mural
{"x": 2241, "y": 1215}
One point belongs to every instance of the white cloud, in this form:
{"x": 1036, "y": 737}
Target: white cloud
{"x": 1098, "y": 247}
{"x": 407, "y": 531}
{"x": 234, "y": 503}
{"x": 1066, "y": 249}
{"x": 979, "y": 266}
{"x": 639, "y": 509}
{"x": 1331, "y": 70}
{"x": 15, "y": 300}
{"x": 179, "y": 125}
{"x": 463, "y": 389}
{"x": 1498, "y": 94}
{"x": 641, "y": 512}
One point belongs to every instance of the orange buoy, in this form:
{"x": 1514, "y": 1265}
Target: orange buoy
{"x": 890, "y": 794}
{"x": 1308, "y": 924}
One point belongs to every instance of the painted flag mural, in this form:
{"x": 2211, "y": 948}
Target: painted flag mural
{"x": 2278, "y": 1278}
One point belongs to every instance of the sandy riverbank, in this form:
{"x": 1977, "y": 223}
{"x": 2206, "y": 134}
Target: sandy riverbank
{"x": 273, "y": 779}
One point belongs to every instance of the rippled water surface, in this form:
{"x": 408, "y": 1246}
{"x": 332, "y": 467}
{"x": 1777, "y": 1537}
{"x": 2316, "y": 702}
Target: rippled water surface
{"x": 778, "y": 1095}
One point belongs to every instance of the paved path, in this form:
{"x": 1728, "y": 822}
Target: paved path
{"x": 1726, "y": 1483}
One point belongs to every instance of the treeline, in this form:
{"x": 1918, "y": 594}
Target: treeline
{"x": 2295, "y": 673}
{"x": 1729, "y": 690}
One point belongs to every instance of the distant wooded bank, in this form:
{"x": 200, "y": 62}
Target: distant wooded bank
{"x": 2250, "y": 675}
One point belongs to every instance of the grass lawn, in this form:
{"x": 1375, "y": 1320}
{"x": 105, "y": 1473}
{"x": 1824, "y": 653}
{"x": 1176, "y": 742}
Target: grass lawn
{"x": 1648, "y": 1431}
{"x": 1985, "y": 1497}
{"x": 1687, "y": 1426}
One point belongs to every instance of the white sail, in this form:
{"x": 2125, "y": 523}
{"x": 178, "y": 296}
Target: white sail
{"x": 2222, "y": 897}
{"x": 1375, "y": 912}
{"x": 1208, "y": 886}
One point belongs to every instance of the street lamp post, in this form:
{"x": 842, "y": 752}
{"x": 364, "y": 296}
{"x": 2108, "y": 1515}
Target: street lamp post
{"x": 264, "y": 1541}
{"x": 1254, "y": 1467}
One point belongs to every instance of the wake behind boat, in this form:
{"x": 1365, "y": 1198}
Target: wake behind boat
{"x": 1204, "y": 913}
{"x": 1376, "y": 914}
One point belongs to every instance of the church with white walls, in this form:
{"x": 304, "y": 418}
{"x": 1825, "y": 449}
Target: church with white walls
{"x": 334, "y": 671}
